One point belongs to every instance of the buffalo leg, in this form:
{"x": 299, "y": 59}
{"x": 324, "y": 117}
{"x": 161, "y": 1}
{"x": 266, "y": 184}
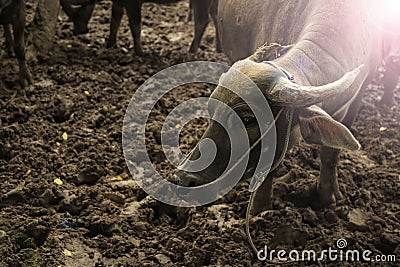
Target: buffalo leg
{"x": 116, "y": 16}
{"x": 201, "y": 20}
{"x": 18, "y": 24}
{"x": 9, "y": 39}
{"x": 72, "y": 14}
{"x": 263, "y": 197}
{"x": 85, "y": 14}
{"x": 328, "y": 187}
{"x": 389, "y": 80}
{"x": 79, "y": 16}
{"x": 67, "y": 8}
{"x": 213, "y": 12}
{"x": 190, "y": 15}
{"x": 133, "y": 10}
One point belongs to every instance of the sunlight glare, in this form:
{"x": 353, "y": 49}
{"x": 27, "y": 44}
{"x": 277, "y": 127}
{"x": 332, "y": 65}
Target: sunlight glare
{"x": 389, "y": 15}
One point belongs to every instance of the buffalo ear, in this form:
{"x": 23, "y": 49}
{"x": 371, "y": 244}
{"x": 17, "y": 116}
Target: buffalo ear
{"x": 317, "y": 127}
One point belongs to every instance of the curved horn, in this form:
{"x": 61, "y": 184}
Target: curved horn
{"x": 286, "y": 92}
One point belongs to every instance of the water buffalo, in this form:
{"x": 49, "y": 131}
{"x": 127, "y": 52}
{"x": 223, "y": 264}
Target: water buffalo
{"x": 391, "y": 64}
{"x": 81, "y": 14}
{"x": 331, "y": 49}
{"x": 390, "y": 78}
{"x": 12, "y": 13}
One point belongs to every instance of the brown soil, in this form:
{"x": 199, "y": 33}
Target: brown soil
{"x": 100, "y": 217}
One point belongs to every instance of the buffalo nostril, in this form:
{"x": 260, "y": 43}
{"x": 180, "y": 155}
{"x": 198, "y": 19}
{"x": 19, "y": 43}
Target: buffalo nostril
{"x": 176, "y": 179}
{"x": 183, "y": 192}
{"x": 187, "y": 179}
{"x": 80, "y": 29}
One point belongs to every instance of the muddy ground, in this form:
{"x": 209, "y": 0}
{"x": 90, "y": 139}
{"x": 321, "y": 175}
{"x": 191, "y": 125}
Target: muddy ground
{"x": 98, "y": 216}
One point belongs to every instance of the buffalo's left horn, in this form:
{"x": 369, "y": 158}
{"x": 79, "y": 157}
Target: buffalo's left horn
{"x": 288, "y": 93}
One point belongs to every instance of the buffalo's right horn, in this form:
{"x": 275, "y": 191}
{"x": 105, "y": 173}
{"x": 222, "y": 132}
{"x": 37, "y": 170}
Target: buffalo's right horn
{"x": 287, "y": 93}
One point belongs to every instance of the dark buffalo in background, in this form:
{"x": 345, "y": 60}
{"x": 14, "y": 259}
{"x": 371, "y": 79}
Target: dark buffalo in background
{"x": 81, "y": 13}
{"x": 12, "y": 17}
{"x": 391, "y": 64}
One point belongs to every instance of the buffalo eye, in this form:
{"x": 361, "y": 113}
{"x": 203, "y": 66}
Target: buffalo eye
{"x": 249, "y": 121}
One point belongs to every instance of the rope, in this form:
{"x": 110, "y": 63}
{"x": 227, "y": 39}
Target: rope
{"x": 251, "y": 200}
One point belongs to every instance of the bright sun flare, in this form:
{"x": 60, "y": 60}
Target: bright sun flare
{"x": 388, "y": 15}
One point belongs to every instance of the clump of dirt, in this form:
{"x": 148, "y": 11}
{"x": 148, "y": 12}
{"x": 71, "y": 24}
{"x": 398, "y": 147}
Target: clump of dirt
{"x": 68, "y": 126}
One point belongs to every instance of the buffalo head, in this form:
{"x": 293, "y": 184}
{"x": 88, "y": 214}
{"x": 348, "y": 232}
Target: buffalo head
{"x": 284, "y": 97}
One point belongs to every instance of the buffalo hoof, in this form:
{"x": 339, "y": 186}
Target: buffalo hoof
{"x": 80, "y": 29}
{"x": 25, "y": 82}
{"x": 138, "y": 50}
{"x": 259, "y": 207}
{"x": 3, "y": 87}
{"x": 218, "y": 47}
{"x": 25, "y": 78}
{"x": 111, "y": 43}
{"x": 193, "y": 49}
{"x": 262, "y": 198}
{"x": 190, "y": 57}
{"x": 10, "y": 52}
{"x": 324, "y": 199}
{"x": 387, "y": 100}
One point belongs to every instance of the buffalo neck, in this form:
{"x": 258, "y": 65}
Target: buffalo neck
{"x": 337, "y": 37}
